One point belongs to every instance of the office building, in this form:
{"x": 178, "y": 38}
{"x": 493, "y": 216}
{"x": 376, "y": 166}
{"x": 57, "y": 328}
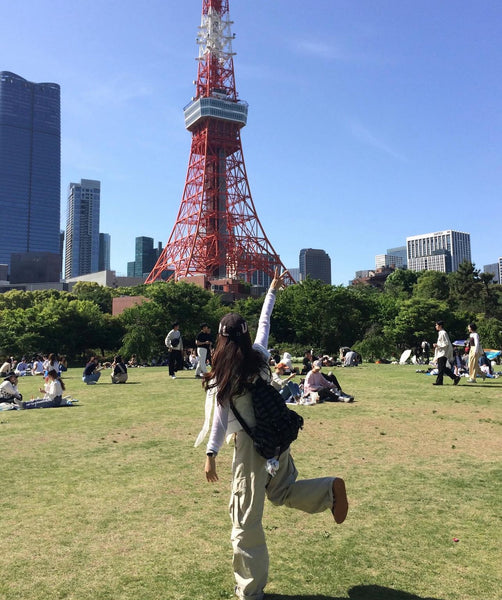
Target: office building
{"x": 295, "y": 273}
{"x": 400, "y": 252}
{"x": 315, "y": 264}
{"x": 82, "y": 228}
{"x": 388, "y": 260}
{"x": 104, "y": 252}
{"x": 35, "y": 267}
{"x": 496, "y": 269}
{"x": 30, "y": 166}
{"x": 145, "y": 257}
{"x": 439, "y": 251}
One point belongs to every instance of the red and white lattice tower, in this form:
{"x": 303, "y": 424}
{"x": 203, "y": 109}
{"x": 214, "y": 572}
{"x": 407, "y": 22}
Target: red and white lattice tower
{"x": 217, "y": 231}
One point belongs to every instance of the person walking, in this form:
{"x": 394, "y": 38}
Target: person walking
{"x": 475, "y": 351}
{"x": 203, "y": 341}
{"x": 237, "y": 362}
{"x": 174, "y": 343}
{"x": 442, "y": 354}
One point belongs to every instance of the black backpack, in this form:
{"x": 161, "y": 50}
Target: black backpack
{"x": 276, "y": 425}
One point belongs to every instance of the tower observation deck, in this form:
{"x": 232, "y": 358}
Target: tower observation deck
{"x": 217, "y": 232}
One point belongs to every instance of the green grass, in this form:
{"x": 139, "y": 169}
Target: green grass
{"x": 108, "y": 501}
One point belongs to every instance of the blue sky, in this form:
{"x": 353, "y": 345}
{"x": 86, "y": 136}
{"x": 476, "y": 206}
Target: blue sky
{"x": 369, "y": 120}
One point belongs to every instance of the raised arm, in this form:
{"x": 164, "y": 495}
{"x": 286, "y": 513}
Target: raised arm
{"x": 263, "y": 332}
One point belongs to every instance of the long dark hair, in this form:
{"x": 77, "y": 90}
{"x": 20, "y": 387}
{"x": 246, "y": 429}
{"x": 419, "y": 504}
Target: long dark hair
{"x": 235, "y": 362}
{"x": 55, "y": 375}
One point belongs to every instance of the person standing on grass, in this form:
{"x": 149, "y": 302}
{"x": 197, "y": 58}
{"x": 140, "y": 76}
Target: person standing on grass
{"x": 203, "y": 341}
{"x": 174, "y": 344}
{"x": 475, "y": 352}
{"x": 237, "y": 362}
{"x": 443, "y": 352}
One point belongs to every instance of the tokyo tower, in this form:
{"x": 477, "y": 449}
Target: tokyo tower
{"x": 217, "y": 232}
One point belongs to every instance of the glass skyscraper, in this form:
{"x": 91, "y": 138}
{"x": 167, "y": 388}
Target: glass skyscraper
{"x": 30, "y": 166}
{"x": 82, "y": 228}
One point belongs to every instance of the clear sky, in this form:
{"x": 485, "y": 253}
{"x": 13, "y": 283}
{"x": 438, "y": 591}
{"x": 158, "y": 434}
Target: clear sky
{"x": 369, "y": 120}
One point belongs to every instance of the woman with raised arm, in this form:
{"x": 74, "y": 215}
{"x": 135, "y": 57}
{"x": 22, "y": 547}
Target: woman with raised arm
{"x": 236, "y": 363}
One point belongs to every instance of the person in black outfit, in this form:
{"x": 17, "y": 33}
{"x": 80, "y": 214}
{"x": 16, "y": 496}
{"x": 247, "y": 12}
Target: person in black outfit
{"x": 307, "y": 362}
{"x": 204, "y": 343}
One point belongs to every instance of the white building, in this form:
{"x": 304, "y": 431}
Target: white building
{"x": 389, "y": 260}
{"x": 438, "y": 251}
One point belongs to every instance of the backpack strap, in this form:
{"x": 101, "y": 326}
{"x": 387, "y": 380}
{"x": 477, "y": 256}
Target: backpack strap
{"x": 239, "y": 417}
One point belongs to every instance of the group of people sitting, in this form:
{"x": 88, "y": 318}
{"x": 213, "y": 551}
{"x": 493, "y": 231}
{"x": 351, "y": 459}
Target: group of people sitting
{"x": 38, "y": 365}
{"x": 317, "y": 387}
{"x": 52, "y": 392}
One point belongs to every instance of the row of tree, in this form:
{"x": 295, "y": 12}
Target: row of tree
{"x": 377, "y": 323}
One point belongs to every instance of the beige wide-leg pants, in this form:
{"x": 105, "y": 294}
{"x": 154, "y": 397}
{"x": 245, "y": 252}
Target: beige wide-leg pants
{"x": 250, "y": 484}
{"x": 474, "y": 368}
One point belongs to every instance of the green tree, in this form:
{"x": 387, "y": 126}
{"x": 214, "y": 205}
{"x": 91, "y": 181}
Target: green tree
{"x": 99, "y": 294}
{"x": 432, "y": 284}
{"x": 400, "y": 283}
{"x": 415, "y": 321}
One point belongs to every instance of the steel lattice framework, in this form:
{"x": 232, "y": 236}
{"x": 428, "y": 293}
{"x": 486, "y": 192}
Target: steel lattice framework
{"x": 217, "y": 232}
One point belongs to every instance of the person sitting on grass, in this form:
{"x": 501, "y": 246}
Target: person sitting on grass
{"x": 289, "y": 390}
{"x": 8, "y": 389}
{"x": 53, "y": 394}
{"x": 329, "y": 391}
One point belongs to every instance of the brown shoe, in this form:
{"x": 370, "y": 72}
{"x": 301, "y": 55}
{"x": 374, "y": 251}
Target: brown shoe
{"x": 340, "y": 502}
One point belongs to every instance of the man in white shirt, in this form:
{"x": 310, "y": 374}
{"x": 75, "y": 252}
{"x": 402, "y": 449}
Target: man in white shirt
{"x": 443, "y": 353}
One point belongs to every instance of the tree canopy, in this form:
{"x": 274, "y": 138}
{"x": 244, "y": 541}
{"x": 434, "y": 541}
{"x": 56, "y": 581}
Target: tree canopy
{"x": 310, "y": 314}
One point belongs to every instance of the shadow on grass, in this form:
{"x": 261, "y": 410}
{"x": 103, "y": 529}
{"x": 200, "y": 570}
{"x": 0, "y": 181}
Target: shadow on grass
{"x": 359, "y": 592}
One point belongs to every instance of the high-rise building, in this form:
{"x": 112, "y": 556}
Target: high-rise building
{"x": 315, "y": 264}
{"x": 30, "y": 166}
{"x": 439, "y": 251}
{"x": 82, "y": 228}
{"x": 145, "y": 257}
{"x": 104, "y": 252}
{"x": 496, "y": 269}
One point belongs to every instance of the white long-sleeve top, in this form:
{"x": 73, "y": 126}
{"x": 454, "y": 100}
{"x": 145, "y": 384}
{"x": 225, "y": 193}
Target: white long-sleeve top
{"x": 443, "y": 346}
{"x": 53, "y": 389}
{"x": 7, "y": 388}
{"x": 224, "y": 421}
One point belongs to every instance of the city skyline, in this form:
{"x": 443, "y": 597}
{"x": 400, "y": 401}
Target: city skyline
{"x": 363, "y": 120}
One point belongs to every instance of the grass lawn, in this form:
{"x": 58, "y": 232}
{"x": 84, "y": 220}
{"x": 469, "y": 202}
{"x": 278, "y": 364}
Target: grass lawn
{"x": 108, "y": 501}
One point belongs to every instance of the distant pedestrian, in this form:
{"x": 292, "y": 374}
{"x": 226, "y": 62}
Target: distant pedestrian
{"x": 204, "y": 343}
{"x": 475, "y": 351}
{"x": 174, "y": 344}
{"x": 443, "y": 353}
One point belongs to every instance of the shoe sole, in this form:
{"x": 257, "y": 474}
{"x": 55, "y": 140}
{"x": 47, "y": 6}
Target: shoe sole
{"x": 340, "y": 503}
